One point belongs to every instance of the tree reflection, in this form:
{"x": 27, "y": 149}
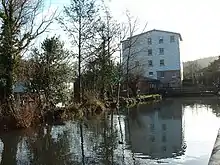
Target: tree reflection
{"x": 215, "y": 109}
{"x": 46, "y": 150}
{"x": 105, "y": 136}
{"x": 10, "y": 142}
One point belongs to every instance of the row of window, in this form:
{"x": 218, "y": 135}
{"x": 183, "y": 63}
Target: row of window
{"x": 172, "y": 39}
{"x": 163, "y": 139}
{"x": 150, "y": 63}
{"x": 161, "y": 52}
{"x": 164, "y": 127}
{"x": 162, "y": 74}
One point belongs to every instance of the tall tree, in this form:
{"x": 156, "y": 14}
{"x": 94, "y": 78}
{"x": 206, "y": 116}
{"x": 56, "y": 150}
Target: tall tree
{"x": 104, "y": 45}
{"x": 52, "y": 70}
{"x": 18, "y": 28}
{"x": 78, "y": 21}
{"x": 129, "y": 48}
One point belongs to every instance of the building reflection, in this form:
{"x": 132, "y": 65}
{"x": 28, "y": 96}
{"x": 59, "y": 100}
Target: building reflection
{"x": 156, "y": 130}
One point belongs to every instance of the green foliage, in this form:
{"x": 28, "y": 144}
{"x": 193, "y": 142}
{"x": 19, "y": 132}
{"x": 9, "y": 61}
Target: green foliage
{"x": 211, "y": 74}
{"x": 51, "y": 70}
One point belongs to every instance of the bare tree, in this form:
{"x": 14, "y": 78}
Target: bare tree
{"x": 79, "y": 21}
{"x": 100, "y": 66}
{"x": 129, "y": 51}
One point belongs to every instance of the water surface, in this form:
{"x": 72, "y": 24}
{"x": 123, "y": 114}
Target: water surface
{"x": 173, "y": 132}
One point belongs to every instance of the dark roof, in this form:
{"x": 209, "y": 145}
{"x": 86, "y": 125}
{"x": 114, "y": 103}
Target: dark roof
{"x": 181, "y": 39}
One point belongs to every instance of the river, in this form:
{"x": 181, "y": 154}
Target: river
{"x": 173, "y": 132}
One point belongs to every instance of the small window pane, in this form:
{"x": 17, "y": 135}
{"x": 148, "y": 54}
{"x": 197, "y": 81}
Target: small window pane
{"x": 161, "y": 51}
{"x": 150, "y": 63}
{"x": 161, "y": 40}
{"x": 149, "y": 52}
{"x": 151, "y": 73}
{"x": 149, "y": 40}
{"x": 164, "y": 148}
{"x": 162, "y": 74}
{"x": 164, "y": 127}
{"x": 161, "y": 62}
{"x": 152, "y": 138}
{"x": 172, "y": 38}
{"x": 152, "y": 127}
{"x": 164, "y": 138}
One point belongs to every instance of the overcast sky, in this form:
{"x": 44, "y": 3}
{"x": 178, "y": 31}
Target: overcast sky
{"x": 198, "y": 21}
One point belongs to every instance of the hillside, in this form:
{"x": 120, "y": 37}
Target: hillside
{"x": 203, "y": 62}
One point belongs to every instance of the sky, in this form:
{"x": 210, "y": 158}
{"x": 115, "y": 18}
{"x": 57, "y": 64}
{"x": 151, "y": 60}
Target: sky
{"x": 196, "y": 20}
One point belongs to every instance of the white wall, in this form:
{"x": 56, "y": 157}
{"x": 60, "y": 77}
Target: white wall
{"x": 139, "y": 51}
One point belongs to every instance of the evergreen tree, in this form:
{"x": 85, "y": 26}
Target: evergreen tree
{"x": 52, "y": 71}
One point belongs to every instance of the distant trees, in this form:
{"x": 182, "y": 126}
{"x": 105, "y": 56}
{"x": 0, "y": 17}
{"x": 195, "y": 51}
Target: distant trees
{"x": 208, "y": 76}
{"x": 191, "y": 70}
{"x": 211, "y": 74}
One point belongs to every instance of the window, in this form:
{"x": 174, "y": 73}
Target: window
{"x": 161, "y": 51}
{"x": 162, "y": 74}
{"x": 162, "y": 63}
{"x": 149, "y": 52}
{"x": 160, "y": 40}
{"x": 174, "y": 75}
{"x": 151, "y": 73}
{"x": 164, "y": 139}
{"x": 164, "y": 127}
{"x": 152, "y": 138}
{"x": 152, "y": 127}
{"x": 137, "y": 63}
{"x": 150, "y": 63}
{"x": 149, "y": 41}
{"x": 164, "y": 148}
{"x": 172, "y": 38}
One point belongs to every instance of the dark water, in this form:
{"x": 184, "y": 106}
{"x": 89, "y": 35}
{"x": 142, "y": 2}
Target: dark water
{"x": 173, "y": 132}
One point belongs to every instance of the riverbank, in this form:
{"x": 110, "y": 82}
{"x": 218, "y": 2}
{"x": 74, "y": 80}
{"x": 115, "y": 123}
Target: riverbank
{"x": 31, "y": 114}
{"x": 127, "y": 102}
{"x": 189, "y": 92}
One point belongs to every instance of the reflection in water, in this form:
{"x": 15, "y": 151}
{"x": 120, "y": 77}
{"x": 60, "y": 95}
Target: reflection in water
{"x": 157, "y": 134}
{"x": 171, "y": 132}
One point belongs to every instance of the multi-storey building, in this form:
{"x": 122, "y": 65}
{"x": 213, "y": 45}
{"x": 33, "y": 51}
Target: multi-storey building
{"x": 154, "y": 54}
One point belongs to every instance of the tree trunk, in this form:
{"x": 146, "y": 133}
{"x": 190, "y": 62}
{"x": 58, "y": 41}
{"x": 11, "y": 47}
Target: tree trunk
{"x": 79, "y": 60}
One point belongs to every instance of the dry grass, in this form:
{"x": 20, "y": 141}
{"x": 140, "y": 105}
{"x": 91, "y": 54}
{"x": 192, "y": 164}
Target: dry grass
{"x": 92, "y": 104}
{"x": 26, "y": 115}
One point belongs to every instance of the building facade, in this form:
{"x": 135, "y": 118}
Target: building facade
{"x": 154, "y": 54}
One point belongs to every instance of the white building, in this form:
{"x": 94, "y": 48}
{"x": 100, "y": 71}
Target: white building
{"x": 154, "y": 54}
